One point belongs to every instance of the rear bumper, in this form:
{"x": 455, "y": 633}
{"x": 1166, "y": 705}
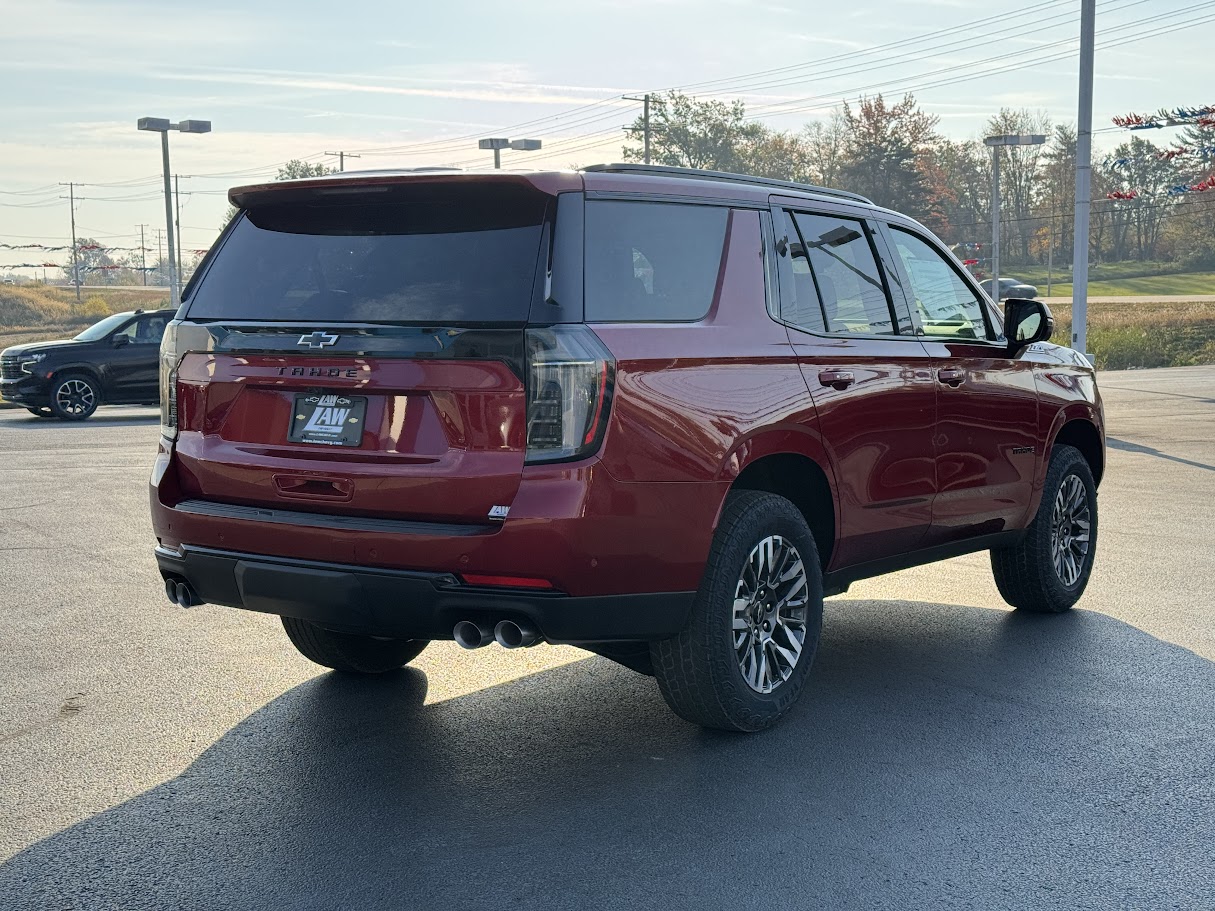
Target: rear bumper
{"x": 573, "y": 526}
{"x": 412, "y": 605}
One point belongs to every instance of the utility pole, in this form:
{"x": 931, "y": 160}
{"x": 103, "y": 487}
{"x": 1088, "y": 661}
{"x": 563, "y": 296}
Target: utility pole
{"x": 177, "y": 205}
{"x": 341, "y": 157}
{"x": 75, "y": 261}
{"x": 645, "y": 119}
{"x": 1084, "y": 179}
{"x": 143, "y": 261}
{"x": 160, "y": 250}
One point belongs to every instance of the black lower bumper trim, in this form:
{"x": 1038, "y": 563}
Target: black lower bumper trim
{"x": 413, "y": 605}
{"x": 324, "y": 520}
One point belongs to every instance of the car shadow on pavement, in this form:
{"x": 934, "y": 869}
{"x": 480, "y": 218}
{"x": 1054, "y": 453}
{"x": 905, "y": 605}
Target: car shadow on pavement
{"x": 122, "y": 417}
{"x": 943, "y": 756}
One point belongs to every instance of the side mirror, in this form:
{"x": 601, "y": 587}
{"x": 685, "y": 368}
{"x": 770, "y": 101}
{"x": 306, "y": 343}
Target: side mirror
{"x": 120, "y": 340}
{"x": 1026, "y": 322}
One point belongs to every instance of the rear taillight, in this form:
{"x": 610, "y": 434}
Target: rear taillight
{"x": 169, "y": 359}
{"x": 569, "y": 392}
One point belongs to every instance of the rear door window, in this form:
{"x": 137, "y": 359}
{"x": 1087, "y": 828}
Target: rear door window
{"x": 802, "y": 308}
{"x": 850, "y": 284}
{"x": 651, "y": 262}
{"x": 467, "y": 258}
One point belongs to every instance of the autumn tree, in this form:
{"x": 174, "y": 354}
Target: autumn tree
{"x": 1056, "y": 202}
{"x": 1019, "y": 167}
{"x": 688, "y": 133}
{"x": 1139, "y": 167}
{"x": 1191, "y": 231}
{"x": 92, "y": 260}
{"x": 961, "y": 179}
{"x": 885, "y": 152}
{"x": 824, "y": 142}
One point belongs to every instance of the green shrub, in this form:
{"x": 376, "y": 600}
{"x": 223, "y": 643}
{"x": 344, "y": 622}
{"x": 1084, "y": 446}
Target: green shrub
{"x": 95, "y": 307}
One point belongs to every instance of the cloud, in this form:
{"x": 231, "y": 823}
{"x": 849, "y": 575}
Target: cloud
{"x": 517, "y": 94}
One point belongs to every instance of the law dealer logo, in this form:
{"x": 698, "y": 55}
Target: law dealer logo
{"x": 328, "y": 417}
{"x": 332, "y": 420}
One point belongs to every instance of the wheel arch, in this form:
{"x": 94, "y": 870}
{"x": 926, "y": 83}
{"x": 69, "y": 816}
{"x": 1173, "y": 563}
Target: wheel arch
{"x": 89, "y": 370}
{"x": 1081, "y": 433}
{"x": 787, "y": 464}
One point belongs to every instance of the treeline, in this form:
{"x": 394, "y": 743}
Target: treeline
{"x": 894, "y": 154}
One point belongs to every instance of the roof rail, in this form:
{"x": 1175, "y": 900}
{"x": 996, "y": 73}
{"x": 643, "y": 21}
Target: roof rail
{"x": 697, "y": 174}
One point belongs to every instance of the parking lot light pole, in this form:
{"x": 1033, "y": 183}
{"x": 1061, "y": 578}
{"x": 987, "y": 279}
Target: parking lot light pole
{"x": 162, "y": 126}
{"x": 500, "y": 143}
{"x": 995, "y": 142}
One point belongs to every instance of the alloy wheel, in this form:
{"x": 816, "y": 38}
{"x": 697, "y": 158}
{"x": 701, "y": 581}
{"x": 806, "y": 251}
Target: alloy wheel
{"x": 770, "y": 603}
{"x": 75, "y": 397}
{"x": 1071, "y": 523}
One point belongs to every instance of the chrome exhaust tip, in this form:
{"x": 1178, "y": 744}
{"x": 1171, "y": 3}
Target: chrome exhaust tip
{"x": 469, "y": 634}
{"x": 516, "y": 634}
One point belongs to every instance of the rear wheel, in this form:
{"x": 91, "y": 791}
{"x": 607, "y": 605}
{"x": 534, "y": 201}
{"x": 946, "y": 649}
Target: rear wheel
{"x": 350, "y": 653}
{"x": 75, "y": 397}
{"x": 1048, "y": 570}
{"x": 743, "y": 658}
{"x": 41, "y": 412}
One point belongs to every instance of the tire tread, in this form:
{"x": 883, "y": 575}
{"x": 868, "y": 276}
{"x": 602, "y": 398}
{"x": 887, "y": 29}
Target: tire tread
{"x": 1024, "y": 572}
{"x": 689, "y": 670}
{"x": 349, "y": 653}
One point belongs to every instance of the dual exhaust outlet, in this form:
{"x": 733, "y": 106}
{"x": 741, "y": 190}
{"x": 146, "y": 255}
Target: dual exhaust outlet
{"x": 472, "y": 634}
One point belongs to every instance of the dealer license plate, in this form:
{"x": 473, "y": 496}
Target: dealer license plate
{"x": 327, "y": 419}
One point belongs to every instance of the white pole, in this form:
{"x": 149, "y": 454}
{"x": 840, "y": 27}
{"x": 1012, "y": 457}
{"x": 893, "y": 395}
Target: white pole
{"x": 995, "y": 223}
{"x": 174, "y": 293}
{"x": 1084, "y": 179}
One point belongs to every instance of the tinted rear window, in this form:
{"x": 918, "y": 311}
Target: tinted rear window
{"x": 468, "y": 256}
{"x": 651, "y": 261}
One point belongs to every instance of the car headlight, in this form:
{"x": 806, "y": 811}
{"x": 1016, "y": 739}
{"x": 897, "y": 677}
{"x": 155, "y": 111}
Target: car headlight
{"x": 29, "y": 361}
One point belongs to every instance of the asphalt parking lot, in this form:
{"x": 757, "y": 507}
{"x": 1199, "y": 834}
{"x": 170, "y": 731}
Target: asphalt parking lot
{"x": 948, "y": 753}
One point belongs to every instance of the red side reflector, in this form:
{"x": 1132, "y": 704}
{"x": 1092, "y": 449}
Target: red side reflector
{"x": 506, "y": 581}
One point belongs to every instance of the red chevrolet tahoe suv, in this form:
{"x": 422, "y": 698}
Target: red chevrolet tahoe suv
{"x": 655, "y": 413}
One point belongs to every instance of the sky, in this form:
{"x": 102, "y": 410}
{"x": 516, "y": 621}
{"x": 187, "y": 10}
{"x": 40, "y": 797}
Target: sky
{"x": 410, "y": 84}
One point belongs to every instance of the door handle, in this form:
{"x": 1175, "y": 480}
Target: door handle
{"x": 951, "y": 376}
{"x": 314, "y": 488}
{"x": 837, "y": 379}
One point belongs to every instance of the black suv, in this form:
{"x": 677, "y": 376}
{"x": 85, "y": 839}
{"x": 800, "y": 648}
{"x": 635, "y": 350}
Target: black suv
{"x": 113, "y": 362}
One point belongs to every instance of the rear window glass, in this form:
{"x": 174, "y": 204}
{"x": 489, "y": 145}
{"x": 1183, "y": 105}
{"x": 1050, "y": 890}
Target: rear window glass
{"x": 461, "y": 259}
{"x": 651, "y": 262}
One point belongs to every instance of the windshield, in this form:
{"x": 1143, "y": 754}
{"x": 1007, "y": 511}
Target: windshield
{"x": 98, "y": 331}
{"x": 463, "y": 258}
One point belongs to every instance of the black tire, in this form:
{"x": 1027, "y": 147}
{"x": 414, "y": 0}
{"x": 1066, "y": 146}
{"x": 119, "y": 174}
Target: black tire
{"x": 75, "y": 396}
{"x": 699, "y": 671}
{"x": 349, "y": 653}
{"x": 41, "y": 412}
{"x": 1026, "y": 573}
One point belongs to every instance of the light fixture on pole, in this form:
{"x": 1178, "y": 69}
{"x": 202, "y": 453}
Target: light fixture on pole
{"x": 162, "y": 126}
{"x": 498, "y": 144}
{"x": 995, "y": 142}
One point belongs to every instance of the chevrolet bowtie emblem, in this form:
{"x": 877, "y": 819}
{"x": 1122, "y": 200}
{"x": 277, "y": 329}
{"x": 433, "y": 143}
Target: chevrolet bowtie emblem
{"x": 318, "y": 340}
